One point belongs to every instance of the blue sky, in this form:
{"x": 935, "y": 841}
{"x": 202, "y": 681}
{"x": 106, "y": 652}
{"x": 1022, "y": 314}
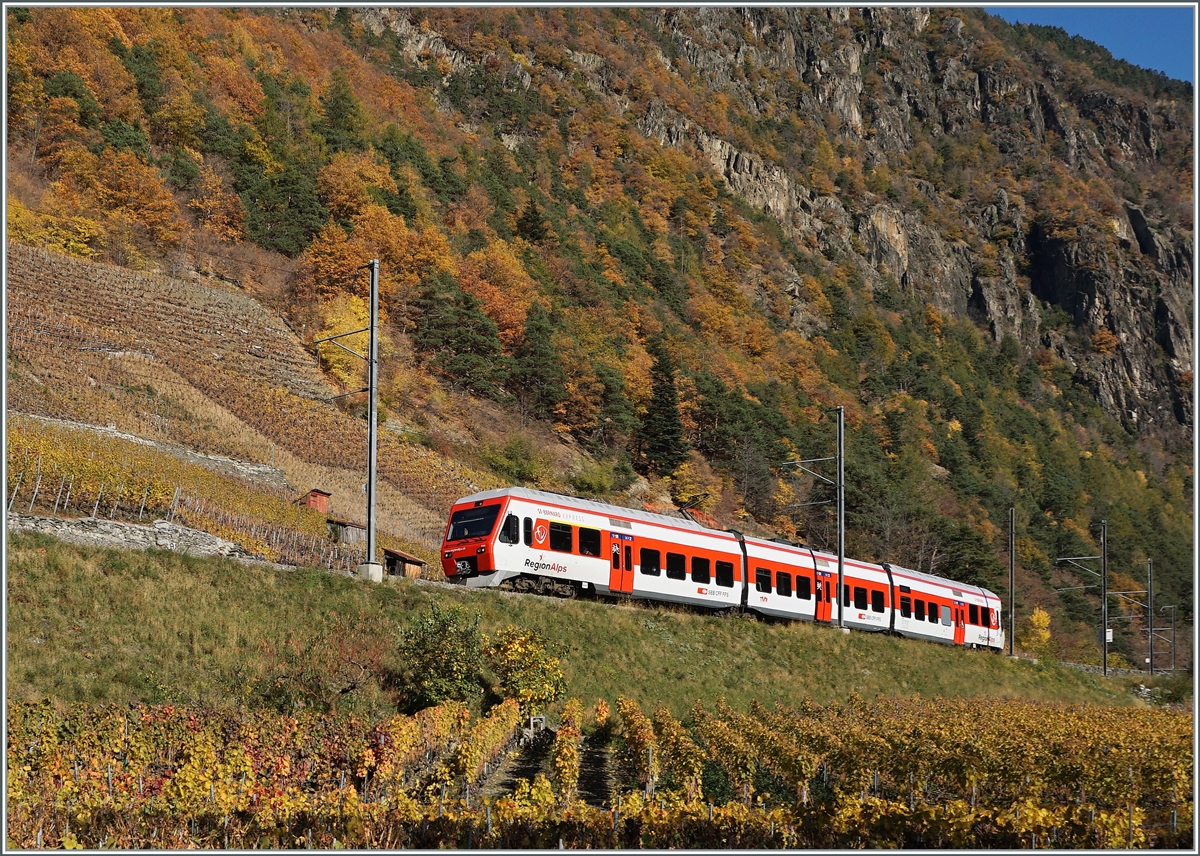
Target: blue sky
{"x": 1156, "y": 37}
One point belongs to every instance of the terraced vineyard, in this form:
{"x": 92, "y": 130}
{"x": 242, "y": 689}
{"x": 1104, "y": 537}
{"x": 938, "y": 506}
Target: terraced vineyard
{"x": 896, "y": 773}
{"x": 103, "y": 345}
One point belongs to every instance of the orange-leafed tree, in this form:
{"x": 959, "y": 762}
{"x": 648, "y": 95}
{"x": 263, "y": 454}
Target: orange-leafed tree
{"x": 129, "y": 186}
{"x": 218, "y": 208}
{"x": 497, "y": 279}
{"x": 345, "y": 183}
{"x": 332, "y": 261}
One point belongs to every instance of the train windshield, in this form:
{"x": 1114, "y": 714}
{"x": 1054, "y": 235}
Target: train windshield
{"x": 472, "y": 522}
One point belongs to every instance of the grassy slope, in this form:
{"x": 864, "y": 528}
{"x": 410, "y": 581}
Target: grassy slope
{"x": 108, "y": 625}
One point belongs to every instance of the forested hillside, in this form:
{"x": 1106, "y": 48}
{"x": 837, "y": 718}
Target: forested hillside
{"x": 658, "y": 247}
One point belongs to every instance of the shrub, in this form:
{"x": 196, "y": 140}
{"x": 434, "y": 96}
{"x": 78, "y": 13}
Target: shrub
{"x": 526, "y": 669}
{"x": 442, "y": 658}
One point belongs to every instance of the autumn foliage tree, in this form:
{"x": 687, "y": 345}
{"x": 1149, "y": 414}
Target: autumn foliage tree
{"x": 527, "y": 671}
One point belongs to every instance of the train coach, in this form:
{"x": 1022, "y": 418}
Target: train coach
{"x": 547, "y": 543}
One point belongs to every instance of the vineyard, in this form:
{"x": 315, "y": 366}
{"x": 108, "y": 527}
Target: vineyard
{"x": 62, "y": 471}
{"x": 896, "y": 772}
{"x": 100, "y": 344}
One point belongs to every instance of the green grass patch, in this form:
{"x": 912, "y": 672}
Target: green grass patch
{"x": 116, "y": 626}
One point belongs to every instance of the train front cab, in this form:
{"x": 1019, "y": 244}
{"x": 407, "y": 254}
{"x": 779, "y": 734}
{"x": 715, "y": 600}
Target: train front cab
{"x": 468, "y": 547}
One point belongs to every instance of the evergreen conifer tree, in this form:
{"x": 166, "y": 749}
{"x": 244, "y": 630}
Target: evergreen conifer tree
{"x": 342, "y": 120}
{"x": 662, "y": 429}
{"x": 461, "y": 343}
{"x": 538, "y": 376}
{"x": 530, "y": 225}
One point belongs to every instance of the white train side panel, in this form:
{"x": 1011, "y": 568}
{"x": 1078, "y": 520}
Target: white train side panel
{"x": 540, "y": 541}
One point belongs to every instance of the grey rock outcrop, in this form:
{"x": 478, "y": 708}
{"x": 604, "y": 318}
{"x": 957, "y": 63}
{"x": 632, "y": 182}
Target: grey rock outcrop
{"x": 98, "y": 532}
{"x": 895, "y": 85}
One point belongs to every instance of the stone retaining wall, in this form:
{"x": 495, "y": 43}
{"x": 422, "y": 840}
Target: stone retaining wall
{"x": 98, "y": 532}
{"x": 1099, "y": 670}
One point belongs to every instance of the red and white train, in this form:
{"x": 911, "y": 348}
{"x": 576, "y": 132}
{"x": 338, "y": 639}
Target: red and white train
{"x": 535, "y": 541}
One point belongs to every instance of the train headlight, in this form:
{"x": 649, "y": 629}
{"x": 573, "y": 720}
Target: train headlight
{"x": 447, "y": 555}
{"x": 481, "y": 550}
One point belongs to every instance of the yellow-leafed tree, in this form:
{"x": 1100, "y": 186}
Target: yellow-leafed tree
{"x": 1035, "y": 636}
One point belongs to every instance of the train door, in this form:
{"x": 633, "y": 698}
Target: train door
{"x": 824, "y": 595}
{"x": 620, "y": 576}
{"x": 960, "y": 630}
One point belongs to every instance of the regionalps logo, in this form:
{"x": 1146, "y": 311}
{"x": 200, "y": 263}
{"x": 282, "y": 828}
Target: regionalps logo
{"x": 545, "y": 566}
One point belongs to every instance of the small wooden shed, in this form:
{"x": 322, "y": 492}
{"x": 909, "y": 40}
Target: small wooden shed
{"x": 399, "y": 564}
{"x": 316, "y": 499}
{"x": 346, "y": 531}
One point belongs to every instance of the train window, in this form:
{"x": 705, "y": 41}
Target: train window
{"x": 676, "y": 566}
{"x": 933, "y": 612}
{"x": 946, "y": 615}
{"x": 906, "y": 607}
{"x": 783, "y": 584}
{"x": 985, "y": 615}
{"x": 860, "y": 597}
{"x": 616, "y": 548}
{"x": 561, "y": 537}
{"x": 803, "y": 588}
{"x": 876, "y": 600}
{"x": 725, "y": 574}
{"x": 919, "y": 609}
{"x": 589, "y": 542}
{"x": 762, "y": 580}
{"x": 528, "y": 533}
{"x": 701, "y": 570}
{"x": 628, "y": 558}
{"x": 510, "y": 532}
{"x": 974, "y": 611}
{"x": 650, "y": 562}
{"x": 845, "y": 595}
{"x": 472, "y": 522}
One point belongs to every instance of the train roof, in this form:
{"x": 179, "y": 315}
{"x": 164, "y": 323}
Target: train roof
{"x": 686, "y": 523}
{"x": 931, "y": 578}
{"x": 594, "y": 507}
{"x": 907, "y": 572}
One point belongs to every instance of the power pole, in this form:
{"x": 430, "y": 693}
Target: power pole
{"x": 1104, "y": 592}
{"x": 839, "y": 484}
{"x": 1103, "y": 575}
{"x": 841, "y": 508}
{"x": 1012, "y": 581}
{"x": 1150, "y": 609}
{"x": 369, "y": 569}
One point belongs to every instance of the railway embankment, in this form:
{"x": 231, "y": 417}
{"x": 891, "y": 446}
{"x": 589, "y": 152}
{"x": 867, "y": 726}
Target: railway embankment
{"x": 106, "y": 623}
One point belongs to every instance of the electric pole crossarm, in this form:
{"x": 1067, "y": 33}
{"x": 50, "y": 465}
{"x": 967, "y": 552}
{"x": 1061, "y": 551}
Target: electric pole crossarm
{"x": 800, "y": 466}
{"x": 342, "y": 336}
{"x": 344, "y": 394}
{"x": 1077, "y": 559}
{"x": 349, "y": 351}
{"x": 1077, "y": 588}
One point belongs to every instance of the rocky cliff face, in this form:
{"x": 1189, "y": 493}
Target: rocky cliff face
{"x": 893, "y": 82}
